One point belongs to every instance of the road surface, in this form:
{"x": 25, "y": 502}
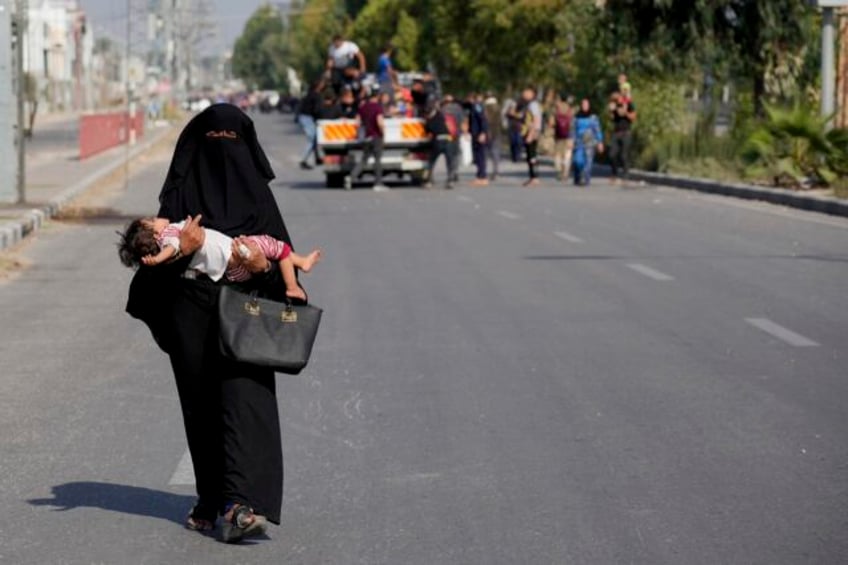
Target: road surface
{"x": 556, "y": 375}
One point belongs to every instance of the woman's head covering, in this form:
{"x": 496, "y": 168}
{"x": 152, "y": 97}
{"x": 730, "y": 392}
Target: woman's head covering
{"x": 220, "y": 171}
{"x": 581, "y": 113}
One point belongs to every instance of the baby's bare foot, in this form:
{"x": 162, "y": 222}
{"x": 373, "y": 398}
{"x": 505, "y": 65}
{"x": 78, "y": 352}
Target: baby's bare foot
{"x": 296, "y": 293}
{"x": 311, "y": 260}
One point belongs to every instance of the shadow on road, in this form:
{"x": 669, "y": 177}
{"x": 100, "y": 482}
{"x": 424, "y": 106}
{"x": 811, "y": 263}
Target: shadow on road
{"x": 95, "y": 216}
{"x": 118, "y": 498}
{"x": 365, "y": 184}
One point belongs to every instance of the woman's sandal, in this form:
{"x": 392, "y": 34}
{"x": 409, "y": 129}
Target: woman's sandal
{"x": 197, "y": 523}
{"x": 243, "y": 524}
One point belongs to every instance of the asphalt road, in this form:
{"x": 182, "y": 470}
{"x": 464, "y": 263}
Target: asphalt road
{"x": 557, "y": 375}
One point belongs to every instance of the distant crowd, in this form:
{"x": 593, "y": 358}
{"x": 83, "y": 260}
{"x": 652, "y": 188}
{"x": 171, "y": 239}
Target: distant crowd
{"x": 475, "y": 127}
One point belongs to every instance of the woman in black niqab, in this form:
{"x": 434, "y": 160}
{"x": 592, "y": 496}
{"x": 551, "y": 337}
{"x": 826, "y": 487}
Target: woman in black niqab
{"x": 220, "y": 170}
{"x": 229, "y": 409}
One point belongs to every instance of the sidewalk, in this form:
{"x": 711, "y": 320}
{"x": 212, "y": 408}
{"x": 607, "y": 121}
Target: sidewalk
{"x": 51, "y": 185}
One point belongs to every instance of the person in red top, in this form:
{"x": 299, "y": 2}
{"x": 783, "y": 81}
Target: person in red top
{"x": 564, "y": 144}
{"x": 371, "y": 119}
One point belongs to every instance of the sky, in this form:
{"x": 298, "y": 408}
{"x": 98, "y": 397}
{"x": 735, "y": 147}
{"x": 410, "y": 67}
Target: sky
{"x": 108, "y": 17}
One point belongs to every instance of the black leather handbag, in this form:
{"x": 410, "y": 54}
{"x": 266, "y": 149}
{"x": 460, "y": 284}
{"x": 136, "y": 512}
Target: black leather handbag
{"x": 266, "y": 333}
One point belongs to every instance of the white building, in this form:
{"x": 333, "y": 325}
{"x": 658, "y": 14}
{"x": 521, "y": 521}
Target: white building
{"x": 58, "y": 52}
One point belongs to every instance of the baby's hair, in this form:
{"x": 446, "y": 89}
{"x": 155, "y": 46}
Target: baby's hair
{"x": 137, "y": 241}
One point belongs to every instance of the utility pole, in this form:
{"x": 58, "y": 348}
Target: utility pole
{"x": 8, "y": 161}
{"x": 12, "y": 98}
{"x": 828, "y": 59}
{"x": 828, "y": 62}
{"x": 22, "y": 22}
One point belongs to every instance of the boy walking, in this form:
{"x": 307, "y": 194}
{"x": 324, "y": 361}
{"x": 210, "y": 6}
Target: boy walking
{"x": 371, "y": 119}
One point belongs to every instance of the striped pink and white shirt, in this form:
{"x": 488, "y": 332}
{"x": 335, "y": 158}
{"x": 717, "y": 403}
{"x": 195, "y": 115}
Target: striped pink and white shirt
{"x": 273, "y": 249}
{"x": 213, "y": 257}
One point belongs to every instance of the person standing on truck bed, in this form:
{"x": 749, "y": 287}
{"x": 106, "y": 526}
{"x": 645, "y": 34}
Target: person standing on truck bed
{"x": 330, "y": 108}
{"x": 306, "y": 116}
{"x": 386, "y": 73}
{"x": 345, "y": 63}
{"x": 349, "y": 104}
{"x": 372, "y": 121}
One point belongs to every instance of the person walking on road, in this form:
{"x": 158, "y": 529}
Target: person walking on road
{"x": 588, "y": 138}
{"x": 512, "y": 124}
{"x": 622, "y": 116}
{"x": 493, "y": 147}
{"x": 457, "y": 126}
{"x": 531, "y": 131}
{"x": 372, "y": 121}
{"x": 478, "y": 127}
{"x": 306, "y": 115}
{"x": 229, "y": 408}
{"x": 437, "y": 128}
{"x": 563, "y": 142}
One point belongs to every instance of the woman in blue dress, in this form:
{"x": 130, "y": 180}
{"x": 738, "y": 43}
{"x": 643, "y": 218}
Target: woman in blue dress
{"x": 588, "y": 138}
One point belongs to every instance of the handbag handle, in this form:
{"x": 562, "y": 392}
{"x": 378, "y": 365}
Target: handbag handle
{"x": 253, "y": 308}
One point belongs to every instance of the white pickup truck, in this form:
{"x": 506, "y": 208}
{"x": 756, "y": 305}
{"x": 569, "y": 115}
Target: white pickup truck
{"x": 406, "y": 149}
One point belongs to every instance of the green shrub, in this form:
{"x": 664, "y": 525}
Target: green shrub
{"x": 794, "y": 148}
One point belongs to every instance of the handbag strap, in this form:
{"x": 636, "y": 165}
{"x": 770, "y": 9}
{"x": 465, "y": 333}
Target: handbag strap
{"x": 253, "y": 308}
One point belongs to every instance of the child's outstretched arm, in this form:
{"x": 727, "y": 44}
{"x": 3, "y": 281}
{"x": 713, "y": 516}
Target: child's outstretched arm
{"x": 167, "y": 253}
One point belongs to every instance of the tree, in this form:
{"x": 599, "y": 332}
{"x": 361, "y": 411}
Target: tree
{"x": 31, "y": 97}
{"x": 310, "y": 29}
{"x": 389, "y": 21}
{"x": 259, "y": 56}
{"x": 744, "y": 39}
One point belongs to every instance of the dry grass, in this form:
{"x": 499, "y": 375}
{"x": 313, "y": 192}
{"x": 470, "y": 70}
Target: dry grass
{"x": 11, "y": 265}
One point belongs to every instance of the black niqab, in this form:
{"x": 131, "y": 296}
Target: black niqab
{"x": 220, "y": 171}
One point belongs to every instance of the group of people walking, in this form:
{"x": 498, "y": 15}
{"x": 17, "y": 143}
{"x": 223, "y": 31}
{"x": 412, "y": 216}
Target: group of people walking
{"x": 577, "y": 134}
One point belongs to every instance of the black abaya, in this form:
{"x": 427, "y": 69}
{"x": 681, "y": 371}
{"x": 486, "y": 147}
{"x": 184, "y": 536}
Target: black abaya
{"x": 229, "y": 409}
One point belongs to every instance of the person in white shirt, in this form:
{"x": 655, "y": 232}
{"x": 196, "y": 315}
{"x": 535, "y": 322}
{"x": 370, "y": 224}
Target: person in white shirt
{"x": 345, "y": 62}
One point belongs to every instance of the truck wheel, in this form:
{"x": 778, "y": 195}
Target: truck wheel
{"x": 418, "y": 178}
{"x": 335, "y": 180}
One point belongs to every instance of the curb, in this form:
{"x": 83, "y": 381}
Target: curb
{"x": 13, "y": 231}
{"x": 812, "y": 203}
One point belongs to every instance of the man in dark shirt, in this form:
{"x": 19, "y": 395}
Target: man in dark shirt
{"x": 306, "y": 116}
{"x": 330, "y": 109}
{"x": 478, "y": 127}
{"x": 437, "y": 128}
{"x": 349, "y": 104}
{"x": 371, "y": 121}
{"x": 622, "y": 114}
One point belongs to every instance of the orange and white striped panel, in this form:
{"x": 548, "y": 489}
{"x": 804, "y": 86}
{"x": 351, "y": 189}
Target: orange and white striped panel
{"x": 339, "y": 132}
{"x": 412, "y": 130}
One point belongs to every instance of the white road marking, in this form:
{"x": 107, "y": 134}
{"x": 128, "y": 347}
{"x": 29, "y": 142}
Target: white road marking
{"x": 781, "y": 333}
{"x": 509, "y": 215}
{"x": 568, "y": 237}
{"x": 184, "y": 475}
{"x": 463, "y": 198}
{"x": 649, "y": 272}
